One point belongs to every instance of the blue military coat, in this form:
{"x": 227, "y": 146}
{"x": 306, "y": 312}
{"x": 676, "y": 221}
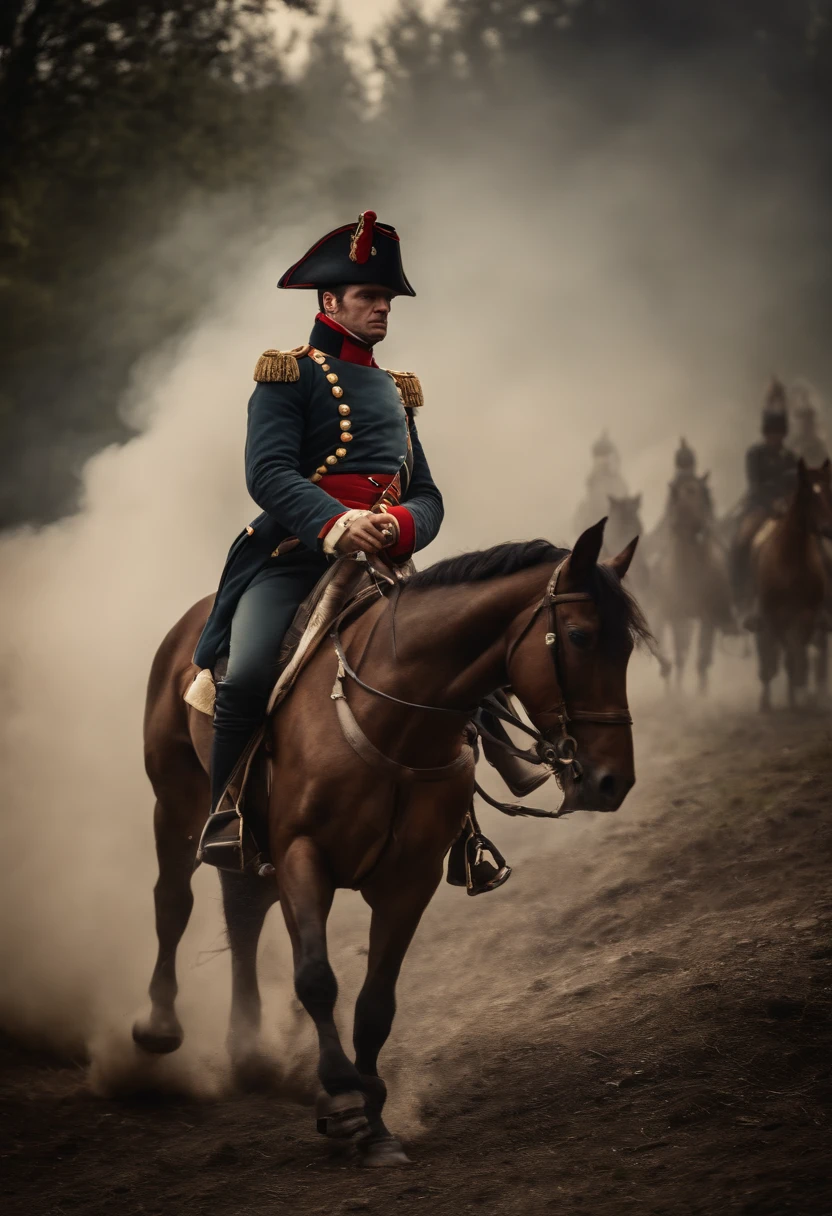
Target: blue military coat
{"x": 295, "y": 439}
{"x": 771, "y": 474}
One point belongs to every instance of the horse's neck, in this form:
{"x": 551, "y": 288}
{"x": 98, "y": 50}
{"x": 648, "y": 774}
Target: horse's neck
{"x": 690, "y": 535}
{"x": 795, "y": 530}
{"x": 451, "y": 641}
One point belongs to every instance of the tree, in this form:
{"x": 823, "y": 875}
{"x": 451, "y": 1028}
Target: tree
{"x": 116, "y": 116}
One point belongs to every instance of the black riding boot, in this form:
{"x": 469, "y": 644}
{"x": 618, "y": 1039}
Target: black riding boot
{"x": 469, "y": 864}
{"x": 236, "y": 719}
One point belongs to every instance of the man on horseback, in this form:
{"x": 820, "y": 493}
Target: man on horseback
{"x": 771, "y": 471}
{"x": 684, "y": 464}
{"x": 334, "y": 461}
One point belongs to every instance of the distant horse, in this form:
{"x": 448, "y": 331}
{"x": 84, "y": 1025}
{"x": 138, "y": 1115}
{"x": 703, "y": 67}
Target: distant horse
{"x": 623, "y": 524}
{"x": 689, "y": 580}
{"x": 354, "y": 806}
{"x": 791, "y": 580}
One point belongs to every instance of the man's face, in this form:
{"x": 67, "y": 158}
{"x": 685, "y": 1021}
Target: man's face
{"x": 363, "y": 310}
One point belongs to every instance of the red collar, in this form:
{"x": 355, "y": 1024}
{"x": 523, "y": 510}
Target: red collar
{"x": 351, "y": 350}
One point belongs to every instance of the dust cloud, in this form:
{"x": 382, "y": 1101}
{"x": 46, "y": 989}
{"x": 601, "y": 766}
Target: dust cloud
{"x": 567, "y": 282}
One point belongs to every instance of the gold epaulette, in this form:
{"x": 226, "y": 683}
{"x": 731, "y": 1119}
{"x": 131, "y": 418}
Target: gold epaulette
{"x": 409, "y": 387}
{"x": 280, "y": 365}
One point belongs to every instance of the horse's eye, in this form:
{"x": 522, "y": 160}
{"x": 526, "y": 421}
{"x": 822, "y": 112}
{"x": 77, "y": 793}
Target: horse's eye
{"x": 580, "y": 639}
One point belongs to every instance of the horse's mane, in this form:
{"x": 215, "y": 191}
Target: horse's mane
{"x": 621, "y": 616}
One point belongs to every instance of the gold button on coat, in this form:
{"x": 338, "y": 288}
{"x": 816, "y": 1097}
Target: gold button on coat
{"x": 316, "y": 477}
{"x": 332, "y": 460}
{"x": 340, "y": 453}
{"x": 343, "y": 410}
{"x": 332, "y": 378}
{"x": 345, "y": 424}
{"x": 346, "y": 437}
{"x": 321, "y": 469}
{"x": 337, "y": 391}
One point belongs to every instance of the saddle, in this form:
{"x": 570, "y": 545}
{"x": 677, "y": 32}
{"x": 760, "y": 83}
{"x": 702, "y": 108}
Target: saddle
{"x": 347, "y": 588}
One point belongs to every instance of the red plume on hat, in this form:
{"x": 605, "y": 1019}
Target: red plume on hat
{"x": 361, "y": 245}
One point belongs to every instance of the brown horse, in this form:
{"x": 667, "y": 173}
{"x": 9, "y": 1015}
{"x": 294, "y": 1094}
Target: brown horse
{"x": 461, "y": 629}
{"x": 689, "y": 583}
{"x": 791, "y": 584}
{"x": 623, "y": 524}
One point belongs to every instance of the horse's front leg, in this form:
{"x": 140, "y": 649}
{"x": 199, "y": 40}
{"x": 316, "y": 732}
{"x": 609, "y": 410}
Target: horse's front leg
{"x": 768, "y": 659}
{"x": 306, "y": 892}
{"x": 822, "y": 667}
{"x": 398, "y": 900}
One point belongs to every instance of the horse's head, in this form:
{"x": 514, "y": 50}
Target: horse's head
{"x": 574, "y": 657}
{"x": 815, "y": 486}
{"x": 625, "y": 514}
{"x": 691, "y": 504}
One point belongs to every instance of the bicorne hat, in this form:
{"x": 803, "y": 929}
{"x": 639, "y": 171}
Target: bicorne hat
{"x": 775, "y": 419}
{"x": 685, "y": 457}
{"x": 363, "y": 252}
{"x": 604, "y": 446}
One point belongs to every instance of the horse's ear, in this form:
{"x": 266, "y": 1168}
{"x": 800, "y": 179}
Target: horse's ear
{"x": 621, "y": 564}
{"x": 613, "y": 501}
{"x": 584, "y": 556}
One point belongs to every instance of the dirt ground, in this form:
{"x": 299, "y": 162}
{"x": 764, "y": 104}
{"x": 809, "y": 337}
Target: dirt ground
{"x": 640, "y": 1021}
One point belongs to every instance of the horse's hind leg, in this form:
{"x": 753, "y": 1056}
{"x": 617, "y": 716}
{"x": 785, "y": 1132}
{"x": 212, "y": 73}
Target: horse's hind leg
{"x": 246, "y": 900}
{"x": 705, "y": 656}
{"x": 306, "y": 893}
{"x": 682, "y": 634}
{"x": 397, "y": 909}
{"x": 160, "y": 1031}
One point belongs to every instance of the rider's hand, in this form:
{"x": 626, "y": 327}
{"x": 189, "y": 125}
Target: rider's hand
{"x": 368, "y": 534}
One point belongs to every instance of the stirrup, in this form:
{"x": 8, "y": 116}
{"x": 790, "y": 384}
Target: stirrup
{"x": 228, "y": 844}
{"x": 468, "y": 865}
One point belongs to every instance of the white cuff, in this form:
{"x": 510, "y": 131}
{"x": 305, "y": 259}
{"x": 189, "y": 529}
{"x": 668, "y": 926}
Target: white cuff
{"x": 339, "y": 528}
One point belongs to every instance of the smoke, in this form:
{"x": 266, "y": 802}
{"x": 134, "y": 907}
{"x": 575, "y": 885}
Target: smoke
{"x": 569, "y": 279}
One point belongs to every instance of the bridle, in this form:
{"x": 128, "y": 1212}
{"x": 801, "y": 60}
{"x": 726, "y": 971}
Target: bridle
{"x": 562, "y": 753}
{"x": 559, "y": 754}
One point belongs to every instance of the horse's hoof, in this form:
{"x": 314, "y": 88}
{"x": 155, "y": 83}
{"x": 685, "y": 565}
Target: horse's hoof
{"x": 343, "y": 1117}
{"x": 385, "y": 1153}
{"x": 255, "y": 1073}
{"x": 158, "y": 1035}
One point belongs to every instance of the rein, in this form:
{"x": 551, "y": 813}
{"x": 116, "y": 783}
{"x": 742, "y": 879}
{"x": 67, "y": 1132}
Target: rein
{"x": 559, "y": 755}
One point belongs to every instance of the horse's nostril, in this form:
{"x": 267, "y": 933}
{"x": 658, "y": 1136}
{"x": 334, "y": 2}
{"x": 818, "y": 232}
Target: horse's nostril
{"x": 606, "y": 786}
